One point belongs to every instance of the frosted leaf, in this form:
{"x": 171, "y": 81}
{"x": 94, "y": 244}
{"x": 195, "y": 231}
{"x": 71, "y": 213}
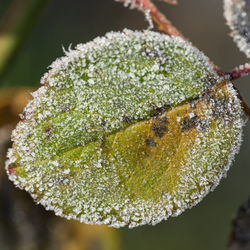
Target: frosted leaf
{"x": 237, "y": 14}
{"x": 128, "y": 129}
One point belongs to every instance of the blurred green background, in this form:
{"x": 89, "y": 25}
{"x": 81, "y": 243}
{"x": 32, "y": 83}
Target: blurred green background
{"x": 63, "y": 23}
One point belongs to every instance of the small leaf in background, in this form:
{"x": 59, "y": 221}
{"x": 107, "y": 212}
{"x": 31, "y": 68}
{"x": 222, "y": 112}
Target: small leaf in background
{"x": 128, "y": 129}
{"x": 237, "y": 14}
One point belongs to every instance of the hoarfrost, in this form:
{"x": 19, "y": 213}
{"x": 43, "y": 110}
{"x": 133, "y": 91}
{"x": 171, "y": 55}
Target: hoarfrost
{"x": 128, "y": 129}
{"x": 237, "y": 14}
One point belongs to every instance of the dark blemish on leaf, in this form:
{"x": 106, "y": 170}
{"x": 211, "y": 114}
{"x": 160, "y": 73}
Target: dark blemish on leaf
{"x": 158, "y": 130}
{"x": 159, "y": 110}
{"x": 48, "y": 132}
{"x": 188, "y": 123}
{"x": 162, "y": 120}
{"x": 11, "y": 169}
{"x": 160, "y": 127}
{"x": 150, "y": 142}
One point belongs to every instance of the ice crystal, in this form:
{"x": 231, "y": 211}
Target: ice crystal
{"x": 237, "y": 14}
{"x": 128, "y": 129}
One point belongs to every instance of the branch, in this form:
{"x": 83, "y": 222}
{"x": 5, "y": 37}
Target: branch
{"x": 163, "y": 23}
{"x": 14, "y": 27}
{"x": 240, "y": 71}
{"x": 174, "y": 2}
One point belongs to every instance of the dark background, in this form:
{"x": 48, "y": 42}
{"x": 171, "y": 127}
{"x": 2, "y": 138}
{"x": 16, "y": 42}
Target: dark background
{"x": 207, "y": 226}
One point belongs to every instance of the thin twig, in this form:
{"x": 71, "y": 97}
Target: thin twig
{"x": 163, "y": 23}
{"x": 174, "y": 2}
{"x": 14, "y": 27}
{"x": 238, "y": 72}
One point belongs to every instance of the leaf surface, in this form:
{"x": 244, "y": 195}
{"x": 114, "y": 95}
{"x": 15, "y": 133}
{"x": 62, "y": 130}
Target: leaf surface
{"x": 128, "y": 129}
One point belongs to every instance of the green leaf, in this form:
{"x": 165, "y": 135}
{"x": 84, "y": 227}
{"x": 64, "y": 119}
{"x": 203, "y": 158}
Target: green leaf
{"x": 128, "y": 129}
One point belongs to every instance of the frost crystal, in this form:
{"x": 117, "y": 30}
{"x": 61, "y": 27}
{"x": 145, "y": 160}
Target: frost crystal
{"x": 237, "y": 14}
{"x": 128, "y": 129}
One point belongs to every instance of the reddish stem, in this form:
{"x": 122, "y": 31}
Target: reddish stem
{"x": 238, "y": 72}
{"x": 163, "y": 23}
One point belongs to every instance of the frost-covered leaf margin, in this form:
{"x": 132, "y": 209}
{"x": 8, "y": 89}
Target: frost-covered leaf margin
{"x": 67, "y": 169}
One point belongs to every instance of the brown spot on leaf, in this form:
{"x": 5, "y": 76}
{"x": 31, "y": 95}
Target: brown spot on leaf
{"x": 150, "y": 142}
{"x": 160, "y": 126}
{"x": 159, "y": 110}
{"x": 48, "y": 132}
{"x": 188, "y": 123}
